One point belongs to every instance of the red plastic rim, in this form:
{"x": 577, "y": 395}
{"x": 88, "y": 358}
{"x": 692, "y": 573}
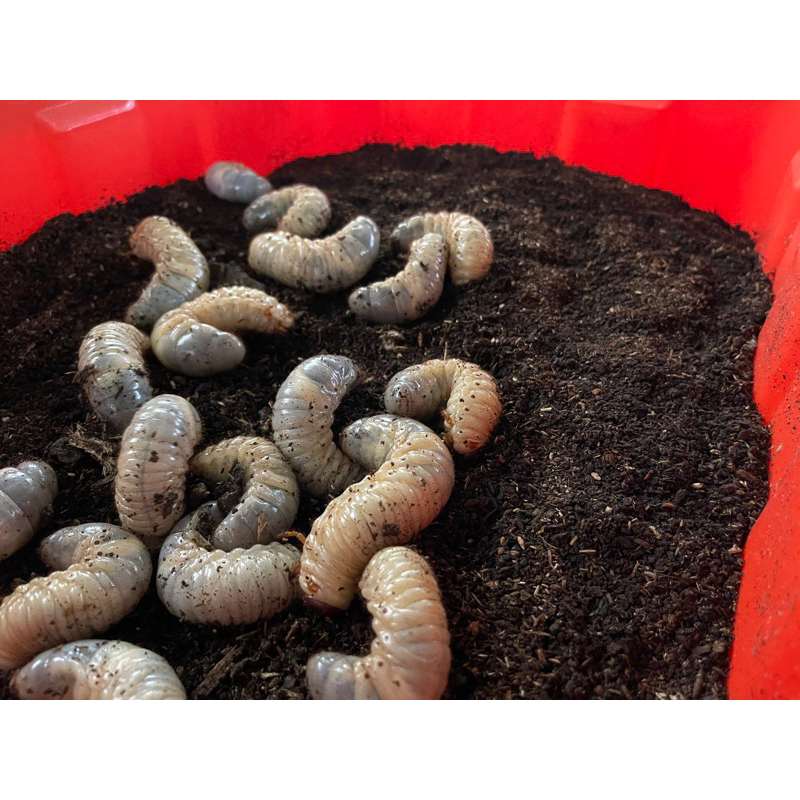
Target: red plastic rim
{"x": 739, "y": 159}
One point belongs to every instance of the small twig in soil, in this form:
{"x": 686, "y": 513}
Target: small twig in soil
{"x": 100, "y": 450}
{"x": 219, "y": 670}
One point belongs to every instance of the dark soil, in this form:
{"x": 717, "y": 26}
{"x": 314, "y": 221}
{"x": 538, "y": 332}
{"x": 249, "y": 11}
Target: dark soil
{"x": 593, "y": 549}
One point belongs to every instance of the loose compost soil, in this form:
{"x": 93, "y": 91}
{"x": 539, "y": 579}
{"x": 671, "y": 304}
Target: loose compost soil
{"x": 592, "y": 550}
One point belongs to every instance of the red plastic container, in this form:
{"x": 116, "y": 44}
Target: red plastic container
{"x": 739, "y": 159}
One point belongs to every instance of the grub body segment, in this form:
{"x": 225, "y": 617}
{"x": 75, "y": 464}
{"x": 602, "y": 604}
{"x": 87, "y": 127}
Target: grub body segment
{"x": 270, "y": 498}
{"x": 101, "y": 574}
{"x": 411, "y": 293}
{"x": 202, "y": 584}
{"x": 466, "y": 394}
{"x": 199, "y": 337}
{"x": 181, "y": 270}
{"x": 321, "y": 265}
{"x": 410, "y": 657}
{"x": 153, "y": 464}
{"x": 301, "y": 210}
{"x": 98, "y": 669}
{"x": 469, "y": 243}
{"x": 411, "y": 476}
{"x": 25, "y": 492}
{"x": 302, "y": 419}
{"x": 113, "y": 372}
{"x": 235, "y": 182}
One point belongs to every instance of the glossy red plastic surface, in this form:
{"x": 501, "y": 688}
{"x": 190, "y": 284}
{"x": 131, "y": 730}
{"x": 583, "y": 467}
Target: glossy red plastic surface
{"x": 740, "y": 159}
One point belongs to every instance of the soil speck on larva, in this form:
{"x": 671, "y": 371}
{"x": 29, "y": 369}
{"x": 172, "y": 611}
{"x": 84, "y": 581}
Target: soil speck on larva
{"x": 620, "y": 327}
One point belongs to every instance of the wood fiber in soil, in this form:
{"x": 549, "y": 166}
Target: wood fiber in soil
{"x": 593, "y": 549}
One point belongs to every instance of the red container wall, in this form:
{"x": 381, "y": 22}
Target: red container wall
{"x": 740, "y": 159}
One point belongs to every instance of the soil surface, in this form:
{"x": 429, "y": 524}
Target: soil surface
{"x": 592, "y": 550}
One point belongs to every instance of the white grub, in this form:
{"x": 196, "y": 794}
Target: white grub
{"x": 299, "y": 209}
{"x": 321, "y": 265}
{"x": 198, "y": 338}
{"x": 271, "y": 496}
{"x": 466, "y": 393}
{"x": 235, "y": 182}
{"x": 411, "y": 293}
{"x": 411, "y": 483}
{"x": 153, "y": 464}
{"x": 302, "y": 416}
{"x": 102, "y": 573}
{"x": 199, "y": 583}
{"x": 25, "y": 492}
{"x": 98, "y": 669}
{"x": 113, "y": 373}
{"x": 181, "y": 269}
{"x": 468, "y": 242}
{"x": 410, "y": 656}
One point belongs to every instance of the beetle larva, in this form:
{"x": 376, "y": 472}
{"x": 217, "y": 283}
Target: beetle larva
{"x": 411, "y": 483}
{"x": 199, "y": 583}
{"x": 467, "y": 393}
{"x": 198, "y": 338}
{"x": 25, "y": 492}
{"x": 181, "y": 269}
{"x": 152, "y": 466}
{"x": 236, "y": 182}
{"x": 103, "y": 572}
{"x": 302, "y": 417}
{"x": 410, "y": 656}
{"x": 271, "y": 496}
{"x": 468, "y": 242}
{"x": 322, "y": 265}
{"x": 98, "y": 669}
{"x": 302, "y": 210}
{"x": 112, "y": 370}
{"x": 412, "y": 292}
